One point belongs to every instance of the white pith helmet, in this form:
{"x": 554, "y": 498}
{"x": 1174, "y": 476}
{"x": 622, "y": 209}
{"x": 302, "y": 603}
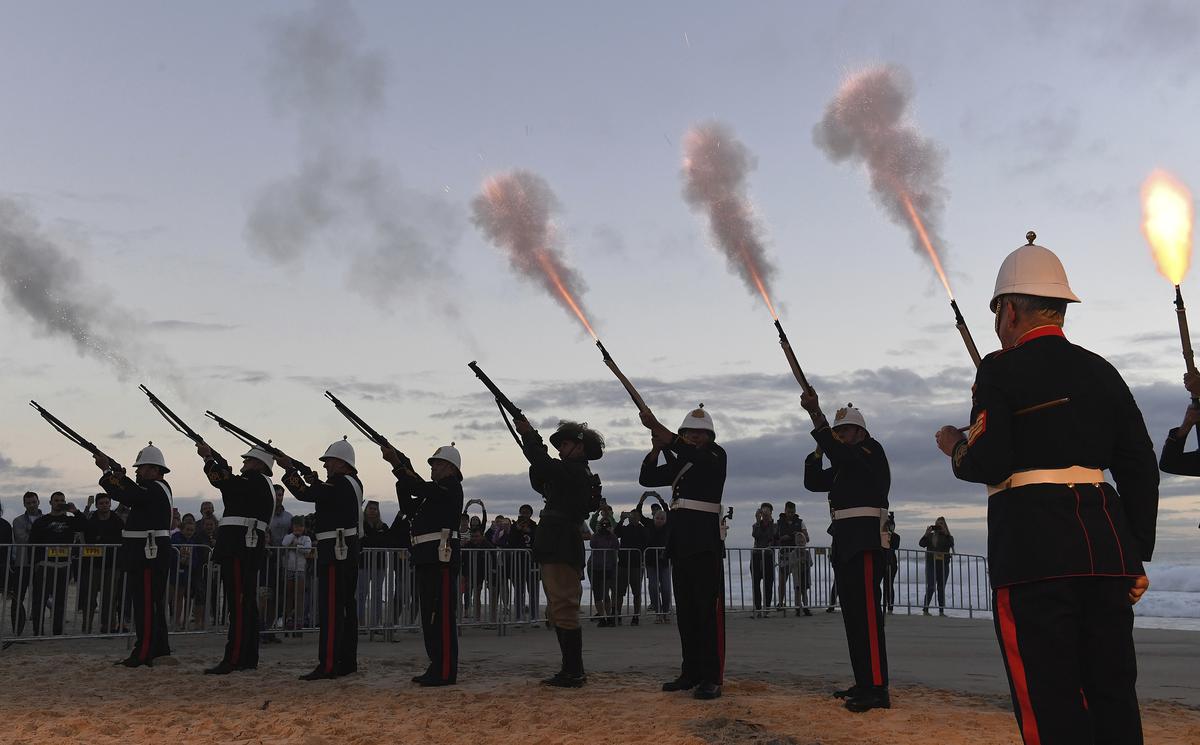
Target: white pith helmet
{"x": 261, "y": 456}
{"x": 1032, "y": 270}
{"x": 342, "y": 450}
{"x": 448, "y": 453}
{"x": 849, "y": 415}
{"x": 699, "y": 418}
{"x": 151, "y": 456}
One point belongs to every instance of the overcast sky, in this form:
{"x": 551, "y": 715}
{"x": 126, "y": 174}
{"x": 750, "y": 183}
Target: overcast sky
{"x": 243, "y": 204}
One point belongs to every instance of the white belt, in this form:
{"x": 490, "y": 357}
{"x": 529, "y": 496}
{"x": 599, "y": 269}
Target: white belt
{"x": 430, "y": 537}
{"x": 874, "y": 512}
{"x": 696, "y": 504}
{"x": 145, "y": 534}
{"x": 331, "y": 534}
{"x": 247, "y": 522}
{"x": 1069, "y": 476}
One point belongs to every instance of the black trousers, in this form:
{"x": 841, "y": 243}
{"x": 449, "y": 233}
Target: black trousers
{"x": 239, "y": 578}
{"x": 147, "y": 584}
{"x": 99, "y": 587}
{"x": 1068, "y": 650}
{"x": 859, "y": 580}
{"x": 436, "y": 585}
{"x": 49, "y": 581}
{"x": 337, "y": 582}
{"x": 762, "y": 575}
{"x": 699, "y": 582}
{"x": 18, "y": 586}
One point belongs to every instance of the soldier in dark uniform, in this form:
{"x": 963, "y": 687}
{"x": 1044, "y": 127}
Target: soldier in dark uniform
{"x": 248, "y": 499}
{"x": 145, "y": 553}
{"x": 571, "y": 491}
{"x": 858, "y": 481}
{"x": 695, "y": 470}
{"x": 339, "y": 501}
{"x": 1174, "y": 460}
{"x": 1047, "y": 419}
{"x": 434, "y": 509}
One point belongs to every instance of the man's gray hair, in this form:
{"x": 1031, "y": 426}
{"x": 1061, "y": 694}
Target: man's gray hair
{"x": 1051, "y": 308}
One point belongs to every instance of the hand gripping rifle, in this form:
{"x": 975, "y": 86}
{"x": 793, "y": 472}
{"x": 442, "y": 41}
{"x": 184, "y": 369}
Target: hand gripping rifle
{"x": 506, "y": 406}
{"x": 72, "y": 435}
{"x": 366, "y": 429}
{"x": 255, "y": 442}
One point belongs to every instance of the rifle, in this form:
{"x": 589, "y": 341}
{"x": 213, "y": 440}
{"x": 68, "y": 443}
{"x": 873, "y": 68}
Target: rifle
{"x": 367, "y": 430}
{"x": 255, "y": 442}
{"x": 179, "y": 425}
{"x": 506, "y": 406}
{"x": 73, "y": 436}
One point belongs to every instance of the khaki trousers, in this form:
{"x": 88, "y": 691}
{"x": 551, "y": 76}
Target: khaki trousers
{"x": 564, "y": 588}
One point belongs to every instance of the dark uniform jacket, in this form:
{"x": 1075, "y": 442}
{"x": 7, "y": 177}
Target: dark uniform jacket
{"x": 149, "y": 506}
{"x": 242, "y": 495}
{"x": 567, "y": 488}
{"x": 1084, "y": 531}
{"x": 858, "y": 476}
{"x": 431, "y": 506}
{"x": 1174, "y": 460}
{"x": 693, "y": 473}
{"x": 339, "y": 505}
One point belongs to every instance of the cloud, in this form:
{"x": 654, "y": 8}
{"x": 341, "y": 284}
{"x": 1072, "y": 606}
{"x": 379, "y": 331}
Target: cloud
{"x": 10, "y": 470}
{"x": 121, "y": 435}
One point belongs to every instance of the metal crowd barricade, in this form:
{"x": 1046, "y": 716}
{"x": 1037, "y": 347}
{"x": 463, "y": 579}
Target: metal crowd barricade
{"x": 78, "y": 591}
{"x": 64, "y": 591}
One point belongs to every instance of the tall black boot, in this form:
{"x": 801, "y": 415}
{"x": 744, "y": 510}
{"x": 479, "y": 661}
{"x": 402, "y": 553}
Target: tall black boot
{"x": 574, "y": 639}
{"x": 571, "y": 676}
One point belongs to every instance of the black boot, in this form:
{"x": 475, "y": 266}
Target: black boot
{"x": 572, "y": 675}
{"x": 869, "y": 698}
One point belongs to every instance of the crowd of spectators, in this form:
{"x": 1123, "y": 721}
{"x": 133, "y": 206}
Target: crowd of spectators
{"x": 48, "y": 554}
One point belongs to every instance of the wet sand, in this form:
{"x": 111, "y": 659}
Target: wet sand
{"x": 947, "y": 679}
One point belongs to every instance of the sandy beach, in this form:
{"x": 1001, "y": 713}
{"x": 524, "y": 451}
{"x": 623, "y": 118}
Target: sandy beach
{"x": 946, "y": 677}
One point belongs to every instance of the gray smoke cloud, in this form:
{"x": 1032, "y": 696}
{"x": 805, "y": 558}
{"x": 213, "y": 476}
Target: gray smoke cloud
{"x": 341, "y": 199}
{"x": 49, "y": 286}
{"x": 715, "y": 166}
{"x": 866, "y": 123}
{"x": 515, "y": 211}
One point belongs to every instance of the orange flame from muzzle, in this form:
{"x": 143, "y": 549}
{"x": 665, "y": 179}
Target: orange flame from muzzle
{"x": 1167, "y": 223}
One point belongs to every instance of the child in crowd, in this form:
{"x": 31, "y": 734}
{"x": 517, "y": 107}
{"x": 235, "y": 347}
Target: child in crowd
{"x": 294, "y": 564}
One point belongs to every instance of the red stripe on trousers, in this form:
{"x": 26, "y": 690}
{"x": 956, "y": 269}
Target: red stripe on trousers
{"x": 329, "y": 614}
{"x": 720, "y": 639}
{"x": 147, "y": 614}
{"x": 445, "y": 623}
{"x": 1016, "y": 667}
{"x": 872, "y": 622}
{"x": 237, "y": 606}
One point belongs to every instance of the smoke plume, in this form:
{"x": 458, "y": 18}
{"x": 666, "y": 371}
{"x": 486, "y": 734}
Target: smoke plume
{"x": 866, "y": 123}
{"x": 715, "y": 165}
{"x": 341, "y": 199}
{"x": 515, "y": 211}
{"x": 46, "y": 284}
